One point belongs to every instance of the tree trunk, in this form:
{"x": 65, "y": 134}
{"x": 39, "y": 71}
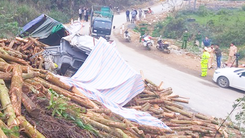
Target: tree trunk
{"x": 16, "y": 89}
{"x": 31, "y": 108}
{"x": 29, "y": 129}
{"x": 9, "y": 110}
{"x": 14, "y": 59}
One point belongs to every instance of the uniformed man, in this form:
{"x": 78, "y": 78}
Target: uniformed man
{"x": 204, "y": 62}
{"x": 185, "y": 39}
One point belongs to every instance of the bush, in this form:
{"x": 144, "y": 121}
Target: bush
{"x": 175, "y": 28}
{"x": 202, "y": 11}
{"x": 243, "y": 7}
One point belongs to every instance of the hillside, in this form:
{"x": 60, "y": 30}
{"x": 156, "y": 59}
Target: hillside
{"x": 15, "y": 14}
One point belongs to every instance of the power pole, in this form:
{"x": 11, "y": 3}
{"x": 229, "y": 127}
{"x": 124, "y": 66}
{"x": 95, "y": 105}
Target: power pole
{"x": 195, "y": 4}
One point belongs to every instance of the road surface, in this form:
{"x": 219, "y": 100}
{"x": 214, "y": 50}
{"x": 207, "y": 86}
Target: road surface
{"x": 205, "y": 96}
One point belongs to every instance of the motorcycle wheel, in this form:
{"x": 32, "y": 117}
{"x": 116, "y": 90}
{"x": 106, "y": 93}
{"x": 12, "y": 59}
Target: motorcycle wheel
{"x": 168, "y": 51}
{"x": 148, "y": 46}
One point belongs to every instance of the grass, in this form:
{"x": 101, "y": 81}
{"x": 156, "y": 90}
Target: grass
{"x": 233, "y": 17}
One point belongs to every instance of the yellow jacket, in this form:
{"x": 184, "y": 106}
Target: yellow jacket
{"x": 205, "y": 57}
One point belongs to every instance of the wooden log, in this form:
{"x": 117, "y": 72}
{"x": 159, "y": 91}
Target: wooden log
{"x": 27, "y": 45}
{"x": 31, "y": 108}
{"x": 2, "y": 134}
{"x": 186, "y": 113}
{"x": 153, "y": 130}
{"x": 100, "y": 126}
{"x": 155, "y": 111}
{"x": 14, "y": 59}
{"x": 38, "y": 43}
{"x": 16, "y": 89}
{"x": 3, "y": 126}
{"x": 8, "y": 109}
{"x": 3, "y": 51}
{"x": 8, "y": 76}
{"x": 106, "y": 122}
{"x": 146, "y": 106}
{"x": 21, "y": 39}
{"x": 11, "y": 44}
{"x": 180, "y": 100}
{"x": 81, "y": 99}
{"x": 55, "y": 80}
{"x": 29, "y": 129}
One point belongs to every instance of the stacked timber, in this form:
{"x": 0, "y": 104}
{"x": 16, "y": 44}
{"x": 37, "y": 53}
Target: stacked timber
{"x": 35, "y": 103}
{"x": 168, "y": 107}
{"x": 23, "y": 51}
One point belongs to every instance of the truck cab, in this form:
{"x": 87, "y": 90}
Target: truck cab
{"x": 101, "y": 22}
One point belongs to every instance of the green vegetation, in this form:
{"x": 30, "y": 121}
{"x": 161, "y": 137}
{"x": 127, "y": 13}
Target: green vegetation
{"x": 59, "y": 106}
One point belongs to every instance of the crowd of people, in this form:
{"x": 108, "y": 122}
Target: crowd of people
{"x": 210, "y": 51}
{"x": 135, "y": 14}
{"x": 84, "y": 13}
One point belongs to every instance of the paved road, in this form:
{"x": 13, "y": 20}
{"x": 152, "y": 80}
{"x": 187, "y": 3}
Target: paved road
{"x": 205, "y": 96}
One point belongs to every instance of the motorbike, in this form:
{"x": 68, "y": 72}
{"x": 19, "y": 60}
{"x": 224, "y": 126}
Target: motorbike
{"x": 147, "y": 42}
{"x": 127, "y": 36}
{"x": 162, "y": 46}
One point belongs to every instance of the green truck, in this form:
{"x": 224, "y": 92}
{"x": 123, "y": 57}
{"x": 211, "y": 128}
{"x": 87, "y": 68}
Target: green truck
{"x": 101, "y": 22}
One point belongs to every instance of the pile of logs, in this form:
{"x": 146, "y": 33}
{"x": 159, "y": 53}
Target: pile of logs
{"x": 23, "y": 51}
{"x": 163, "y": 104}
{"x": 19, "y": 80}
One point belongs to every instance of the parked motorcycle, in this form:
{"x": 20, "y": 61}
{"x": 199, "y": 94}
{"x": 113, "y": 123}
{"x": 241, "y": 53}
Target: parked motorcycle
{"x": 162, "y": 46}
{"x": 147, "y": 41}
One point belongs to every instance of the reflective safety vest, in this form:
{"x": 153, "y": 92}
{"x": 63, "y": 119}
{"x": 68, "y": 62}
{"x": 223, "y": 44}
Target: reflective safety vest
{"x": 205, "y": 57}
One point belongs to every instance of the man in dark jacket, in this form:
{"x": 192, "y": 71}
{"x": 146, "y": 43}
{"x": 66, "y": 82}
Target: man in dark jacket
{"x": 127, "y": 15}
{"x": 218, "y": 54}
{"x": 206, "y": 42}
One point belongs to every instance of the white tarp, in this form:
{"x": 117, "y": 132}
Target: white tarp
{"x": 107, "y": 78}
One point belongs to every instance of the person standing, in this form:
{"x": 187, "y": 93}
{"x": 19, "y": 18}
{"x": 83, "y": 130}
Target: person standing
{"x": 218, "y": 54}
{"x": 199, "y": 39}
{"x": 127, "y": 15}
{"x": 204, "y": 62}
{"x": 140, "y": 14}
{"x": 211, "y": 59}
{"x": 86, "y": 14}
{"x": 80, "y": 13}
{"x": 232, "y": 52}
{"x": 206, "y": 42}
{"x": 133, "y": 16}
{"x": 185, "y": 39}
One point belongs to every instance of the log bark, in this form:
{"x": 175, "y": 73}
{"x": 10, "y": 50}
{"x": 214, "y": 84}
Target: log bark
{"x": 21, "y": 39}
{"x": 179, "y": 111}
{"x": 5, "y": 67}
{"x": 100, "y": 126}
{"x": 14, "y": 59}
{"x": 83, "y": 100}
{"x": 3, "y": 125}
{"x": 8, "y": 76}
{"x": 29, "y": 129}
{"x": 55, "y": 80}
{"x": 16, "y": 89}
{"x": 154, "y": 130}
{"x": 8, "y": 108}
{"x": 31, "y": 108}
